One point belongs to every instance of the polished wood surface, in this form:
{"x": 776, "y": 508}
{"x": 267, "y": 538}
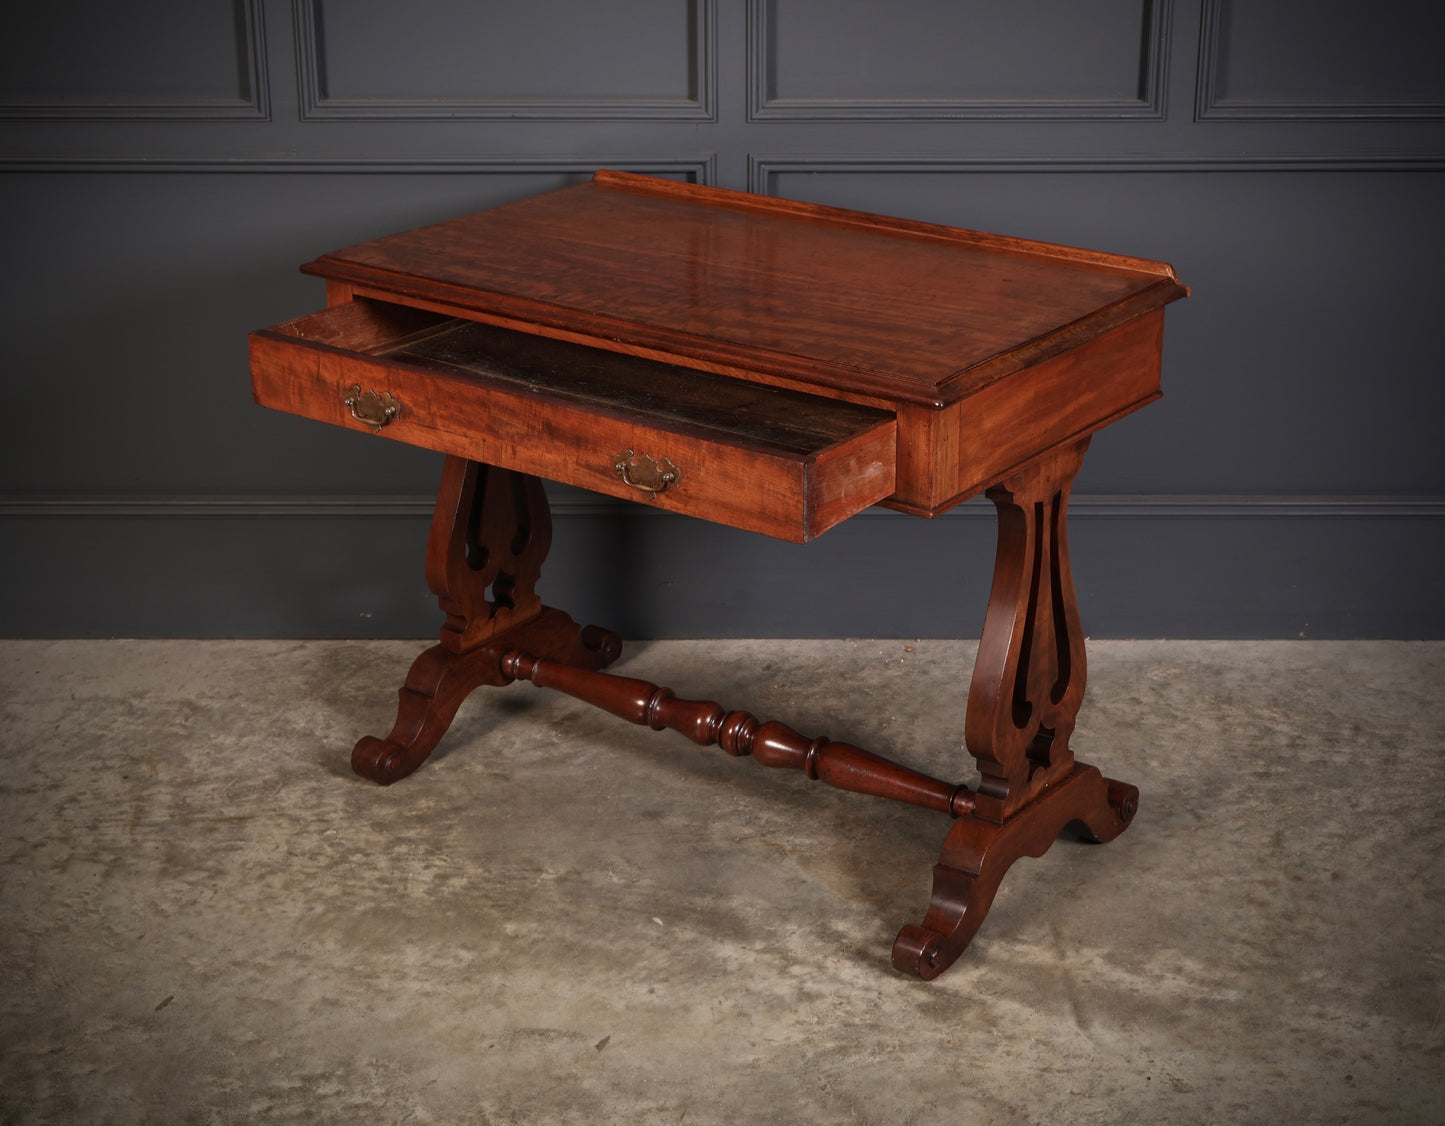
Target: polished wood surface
{"x": 741, "y": 733}
{"x": 986, "y": 349}
{"x": 490, "y": 534}
{"x": 760, "y": 458}
{"x": 949, "y": 454}
{"x": 1024, "y": 697}
{"x": 775, "y": 366}
{"x": 1028, "y": 676}
{"x": 977, "y": 854}
{"x": 909, "y": 311}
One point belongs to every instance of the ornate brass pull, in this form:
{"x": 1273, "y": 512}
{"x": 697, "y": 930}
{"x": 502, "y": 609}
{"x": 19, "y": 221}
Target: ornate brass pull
{"x": 369, "y": 407}
{"x": 644, "y": 474}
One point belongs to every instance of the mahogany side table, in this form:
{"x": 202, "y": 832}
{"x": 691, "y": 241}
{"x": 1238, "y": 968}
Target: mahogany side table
{"x": 774, "y": 366}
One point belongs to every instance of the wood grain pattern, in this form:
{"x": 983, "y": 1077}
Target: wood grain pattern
{"x": 947, "y": 455}
{"x": 758, "y": 458}
{"x": 741, "y": 733}
{"x": 607, "y": 381}
{"x": 490, "y": 534}
{"x": 1029, "y": 675}
{"x": 977, "y": 854}
{"x": 441, "y": 678}
{"x": 842, "y": 216}
{"x": 913, "y": 311}
{"x": 543, "y": 338}
{"x": 625, "y": 347}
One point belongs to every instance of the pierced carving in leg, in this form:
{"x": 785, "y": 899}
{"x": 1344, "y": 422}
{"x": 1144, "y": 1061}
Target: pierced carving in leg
{"x": 1028, "y": 683}
{"x": 490, "y": 534}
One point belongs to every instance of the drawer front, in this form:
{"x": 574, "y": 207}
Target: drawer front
{"x": 610, "y": 447}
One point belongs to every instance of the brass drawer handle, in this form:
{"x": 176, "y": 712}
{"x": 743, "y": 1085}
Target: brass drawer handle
{"x": 644, "y": 474}
{"x": 369, "y": 407}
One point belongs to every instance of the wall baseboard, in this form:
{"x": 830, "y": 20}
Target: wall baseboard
{"x": 419, "y": 506}
{"x": 351, "y": 566}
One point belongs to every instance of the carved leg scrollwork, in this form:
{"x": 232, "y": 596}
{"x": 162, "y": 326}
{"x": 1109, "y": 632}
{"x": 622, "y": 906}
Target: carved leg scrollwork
{"x": 1028, "y": 683}
{"x": 1028, "y": 679}
{"x": 977, "y": 854}
{"x": 490, "y": 534}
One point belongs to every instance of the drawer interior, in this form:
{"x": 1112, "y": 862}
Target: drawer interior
{"x": 610, "y": 383}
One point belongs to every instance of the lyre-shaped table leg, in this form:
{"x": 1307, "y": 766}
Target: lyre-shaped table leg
{"x": 1028, "y": 683}
{"x": 490, "y": 534}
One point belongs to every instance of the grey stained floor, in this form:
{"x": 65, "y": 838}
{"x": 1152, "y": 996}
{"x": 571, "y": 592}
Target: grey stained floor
{"x": 565, "y": 919}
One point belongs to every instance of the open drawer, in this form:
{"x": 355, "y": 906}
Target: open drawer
{"x": 768, "y": 460}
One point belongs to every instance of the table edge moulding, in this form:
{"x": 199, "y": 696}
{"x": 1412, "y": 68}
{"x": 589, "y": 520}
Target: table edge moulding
{"x": 775, "y": 366}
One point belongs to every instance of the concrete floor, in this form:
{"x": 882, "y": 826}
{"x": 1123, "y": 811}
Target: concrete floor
{"x": 566, "y": 919}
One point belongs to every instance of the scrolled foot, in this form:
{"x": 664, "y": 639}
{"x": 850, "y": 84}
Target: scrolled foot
{"x": 921, "y": 953}
{"x": 977, "y": 854}
{"x": 381, "y": 761}
{"x": 960, "y": 903}
{"x": 1124, "y": 799}
{"x": 440, "y": 679}
{"x": 1105, "y": 822}
{"x": 435, "y": 687}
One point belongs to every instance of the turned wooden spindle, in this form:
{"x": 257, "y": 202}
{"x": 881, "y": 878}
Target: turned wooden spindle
{"x": 740, "y": 733}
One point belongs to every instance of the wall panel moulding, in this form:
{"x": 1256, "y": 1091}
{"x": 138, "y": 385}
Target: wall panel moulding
{"x": 98, "y": 60}
{"x": 763, "y": 170}
{"x": 641, "y": 60}
{"x": 915, "y": 60}
{"x": 1273, "y": 60}
{"x": 695, "y": 168}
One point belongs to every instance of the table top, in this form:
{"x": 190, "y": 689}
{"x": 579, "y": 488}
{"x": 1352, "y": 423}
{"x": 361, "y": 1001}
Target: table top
{"x": 747, "y": 284}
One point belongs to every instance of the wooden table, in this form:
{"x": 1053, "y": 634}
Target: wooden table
{"x": 771, "y": 365}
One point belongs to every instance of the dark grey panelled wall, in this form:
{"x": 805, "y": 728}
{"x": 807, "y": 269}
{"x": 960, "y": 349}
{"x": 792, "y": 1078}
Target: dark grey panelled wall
{"x": 167, "y": 164}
